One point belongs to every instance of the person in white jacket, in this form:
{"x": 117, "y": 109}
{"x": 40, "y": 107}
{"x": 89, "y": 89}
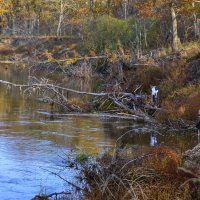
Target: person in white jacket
{"x": 154, "y": 95}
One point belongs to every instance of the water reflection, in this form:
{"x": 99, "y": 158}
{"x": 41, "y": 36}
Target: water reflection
{"x": 153, "y": 140}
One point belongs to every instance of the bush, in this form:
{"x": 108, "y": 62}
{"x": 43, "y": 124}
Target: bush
{"x": 183, "y": 103}
{"x": 192, "y": 106}
{"x": 106, "y": 32}
{"x": 164, "y": 160}
{"x": 150, "y": 75}
{"x": 137, "y": 175}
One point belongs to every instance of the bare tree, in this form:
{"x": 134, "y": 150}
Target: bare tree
{"x": 60, "y": 18}
{"x": 175, "y": 38}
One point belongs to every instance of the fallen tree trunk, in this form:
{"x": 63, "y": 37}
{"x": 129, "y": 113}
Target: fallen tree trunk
{"x": 100, "y": 115}
{"x": 120, "y": 99}
{"x": 47, "y": 85}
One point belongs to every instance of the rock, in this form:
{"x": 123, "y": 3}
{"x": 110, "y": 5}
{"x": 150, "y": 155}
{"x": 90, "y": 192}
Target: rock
{"x": 192, "y": 159}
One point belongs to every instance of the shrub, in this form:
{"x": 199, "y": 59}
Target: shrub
{"x": 82, "y": 157}
{"x": 183, "y": 103}
{"x": 150, "y": 175}
{"x": 105, "y": 32}
{"x": 150, "y": 75}
{"x": 164, "y": 160}
{"x": 154, "y": 34}
{"x": 193, "y": 69}
{"x": 192, "y": 106}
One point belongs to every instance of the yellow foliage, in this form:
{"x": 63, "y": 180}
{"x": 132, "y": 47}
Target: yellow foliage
{"x": 2, "y": 11}
{"x": 70, "y": 61}
{"x": 49, "y": 56}
{"x": 23, "y": 65}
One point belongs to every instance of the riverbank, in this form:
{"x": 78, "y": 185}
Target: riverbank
{"x": 137, "y": 173}
{"x": 140, "y": 173}
{"x": 175, "y": 74}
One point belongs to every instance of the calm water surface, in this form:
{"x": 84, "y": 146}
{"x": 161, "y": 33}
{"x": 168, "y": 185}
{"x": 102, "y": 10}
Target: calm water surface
{"x": 33, "y": 142}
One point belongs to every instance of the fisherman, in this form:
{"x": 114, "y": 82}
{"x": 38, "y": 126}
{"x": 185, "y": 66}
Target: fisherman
{"x": 154, "y": 95}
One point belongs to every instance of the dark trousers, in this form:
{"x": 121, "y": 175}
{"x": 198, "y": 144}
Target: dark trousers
{"x": 155, "y": 100}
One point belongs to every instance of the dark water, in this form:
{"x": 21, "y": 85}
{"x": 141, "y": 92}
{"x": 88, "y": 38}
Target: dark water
{"x": 32, "y": 144}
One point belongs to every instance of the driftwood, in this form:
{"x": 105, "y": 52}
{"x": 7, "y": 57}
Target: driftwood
{"x": 134, "y": 111}
{"x": 47, "y": 85}
{"x": 101, "y": 115}
{"x": 127, "y": 101}
{"x": 45, "y": 197}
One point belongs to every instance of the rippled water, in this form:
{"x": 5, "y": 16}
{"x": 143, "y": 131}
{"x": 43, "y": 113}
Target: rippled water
{"x": 34, "y": 143}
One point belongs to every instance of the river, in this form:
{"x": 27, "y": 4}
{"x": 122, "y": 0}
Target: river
{"x": 35, "y": 142}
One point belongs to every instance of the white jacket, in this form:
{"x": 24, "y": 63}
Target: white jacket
{"x": 154, "y": 91}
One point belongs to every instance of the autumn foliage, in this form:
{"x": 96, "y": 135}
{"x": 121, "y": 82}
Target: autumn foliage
{"x": 164, "y": 160}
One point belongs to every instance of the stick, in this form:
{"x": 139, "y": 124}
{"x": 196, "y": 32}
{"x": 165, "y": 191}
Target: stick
{"x": 38, "y": 197}
{"x": 70, "y": 183}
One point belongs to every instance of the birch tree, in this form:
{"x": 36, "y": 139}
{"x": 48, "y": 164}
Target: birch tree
{"x": 160, "y": 8}
{"x": 60, "y": 18}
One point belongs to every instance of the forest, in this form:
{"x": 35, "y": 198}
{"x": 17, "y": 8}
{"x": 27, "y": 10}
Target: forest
{"x": 139, "y": 25}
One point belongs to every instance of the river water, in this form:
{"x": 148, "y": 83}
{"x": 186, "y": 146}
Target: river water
{"x": 34, "y": 142}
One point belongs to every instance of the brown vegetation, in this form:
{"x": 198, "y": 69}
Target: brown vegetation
{"x": 183, "y": 103}
{"x": 5, "y": 50}
{"x": 149, "y": 176}
{"x": 150, "y": 75}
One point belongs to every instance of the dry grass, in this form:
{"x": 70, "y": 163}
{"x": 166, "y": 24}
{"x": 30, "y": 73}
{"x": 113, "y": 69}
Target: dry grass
{"x": 182, "y": 103}
{"x": 84, "y": 71}
{"x": 148, "y": 176}
{"x": 6, "y": 50}
{"x": 78, "y": 103}
{"x": 150, "y": 75}
{"x": 190, "y": 49}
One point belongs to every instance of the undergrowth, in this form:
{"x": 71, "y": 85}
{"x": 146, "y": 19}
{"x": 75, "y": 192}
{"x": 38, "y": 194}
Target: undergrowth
{"x": 149, "y": 175}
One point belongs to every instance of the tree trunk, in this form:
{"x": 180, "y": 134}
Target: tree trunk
{"x": 60, "y": 18}
{"x": 91, "y": 4}
{"x": 175, "y": 38}
{"x": 196, "y": 27}
{"x": 145, "y": 37}
{"x": 125, "y": 9}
